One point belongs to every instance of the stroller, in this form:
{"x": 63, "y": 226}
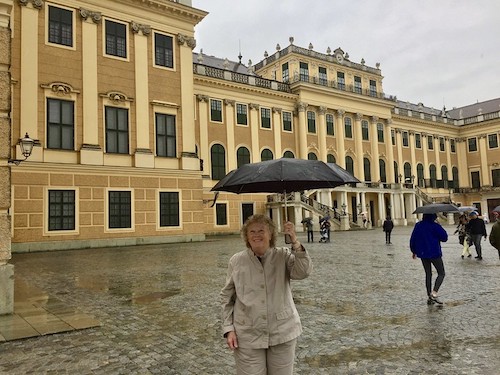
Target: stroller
{"x": 323, "y": 231}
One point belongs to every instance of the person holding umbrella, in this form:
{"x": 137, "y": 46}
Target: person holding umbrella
{"x": 260, "y": 321}
{"x": 425, "y": 243}
{"x": 477, "y": 230}
{"x": 495, "y": 230}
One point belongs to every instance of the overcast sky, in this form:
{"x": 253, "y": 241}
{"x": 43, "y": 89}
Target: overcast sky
{"x": 434, "y": 52}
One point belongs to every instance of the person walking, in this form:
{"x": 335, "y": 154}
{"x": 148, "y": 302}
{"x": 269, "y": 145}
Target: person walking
{"x": 425, "y": 243}
{"x": 387, "y": 227}
{"x": 259, "y": 319}
{"x": 463, "y": 236}
{"x": 309, "y": 228}
{"x": 477, "y": 230}
{"x": 495, "y": 232}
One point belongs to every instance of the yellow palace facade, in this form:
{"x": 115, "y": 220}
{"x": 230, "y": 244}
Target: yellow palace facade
{"x": 132, "y": 129}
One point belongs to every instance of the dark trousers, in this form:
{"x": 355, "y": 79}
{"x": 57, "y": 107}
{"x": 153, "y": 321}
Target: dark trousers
{"x": 439, "y": 266}
{"x": 476, "y": 240}
{"x": 388, "y": 236}
{"x": 310, "y": 236}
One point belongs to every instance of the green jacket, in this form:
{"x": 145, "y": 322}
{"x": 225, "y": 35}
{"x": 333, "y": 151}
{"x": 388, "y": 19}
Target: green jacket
{"x": 495, "y": 235}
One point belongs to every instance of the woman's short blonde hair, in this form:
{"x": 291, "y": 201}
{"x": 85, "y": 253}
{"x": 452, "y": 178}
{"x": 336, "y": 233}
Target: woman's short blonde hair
{"x": 261, "y": 219}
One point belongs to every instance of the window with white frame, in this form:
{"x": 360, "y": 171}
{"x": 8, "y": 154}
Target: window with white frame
{"x": 119, "y": 209}
{"x": 287, "y": 121}
{"x": 493, "y": 140}
{"x": 441, "y": 144}
{"x": 116, "y": 39}
{"x": 60, "y": 26}
{"x": 341, "y": 80}
{"x": 169, "y": 209}
{"x": 164, "y": 51}
{"x": 418, "y": 140}
{"x": 357, "y": 85}
{"x": 215, "y": 110}
{"x": 404, "y": 136}
{"x": 323, "y": 80}
{"x": 430, "y": 142}
{"x": 472, "y": 144}
{"x": 220, "y": 214}
{"x": 60, "y": 124}
{"x": 241, "y": 114}
{"x": 304, "y": 71}
{"x": 380, "y": 132}
{"x": 330, "y": 125}
{"x": 265, "y": 118}
{"x": 117, "y": 137}
{"x": 311, "y": 122}
{"x": 365, "y": 135}
{"x": 285, "y": 74}
{"x": 61, "y": 213}
{"x": 166, "y": 140}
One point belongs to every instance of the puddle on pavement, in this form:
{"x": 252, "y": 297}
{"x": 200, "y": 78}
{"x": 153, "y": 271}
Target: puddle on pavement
{"x": 153, "y": 297}
{"x": 377, "y": 353}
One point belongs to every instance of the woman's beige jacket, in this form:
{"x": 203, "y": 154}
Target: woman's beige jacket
{"x": 257, "y": 299}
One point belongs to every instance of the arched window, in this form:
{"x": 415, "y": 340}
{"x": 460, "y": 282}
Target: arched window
{"x": 381, "y": 165}
{"x": 266, "y": 154}
{"x": 218, "y": 158}
{"x": 349, "y": 165}
{"x": 407, "y": 172}
{"x": 366, "y": 167}
{"x": 444, "y": 176}
{"x": 330, "y": 158}
{"x": 454, "y": 172}
{"x": 433, "y": 175}
{"x": 242, "y": 156}
{"x": 420, "y": 175}
{"x": 312, "y": 156}
{"x": 289, "y": 155}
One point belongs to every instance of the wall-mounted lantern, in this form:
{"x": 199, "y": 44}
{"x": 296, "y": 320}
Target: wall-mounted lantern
{"x": 26, "y": 145}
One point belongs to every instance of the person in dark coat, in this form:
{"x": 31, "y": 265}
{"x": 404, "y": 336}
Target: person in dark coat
{"x": 387, "y": 227}
{"x": 495, "y": 232}
{"x": 309, "y": 227}
{"x": 477, "y": 230}
{"x": 425, "y": 243}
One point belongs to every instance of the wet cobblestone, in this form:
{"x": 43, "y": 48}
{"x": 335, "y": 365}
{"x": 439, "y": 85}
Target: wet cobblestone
{"x": 363, "y": 310}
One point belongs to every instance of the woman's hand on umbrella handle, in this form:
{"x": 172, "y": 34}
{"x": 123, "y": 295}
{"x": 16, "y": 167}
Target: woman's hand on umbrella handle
{"x": 232, "y": 340}
{"x": 289, "y": 229}
{"x": 414, "y": 256}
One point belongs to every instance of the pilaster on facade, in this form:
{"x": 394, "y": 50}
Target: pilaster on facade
{"x": 485, "y": 171}
{"x": 276, "y": 113}
{"x": 375, "y": 170}
{"x": 187, "y": 114}
{"x": 204, "y": 147}
{"x": 390, "y": 151}
{"x": 322, "y": 133}
{"x": 340, "y": 134}
{"x": 254, "y": 130}
{"x": 302, "y": 129}
{"x": 358, "y": 145}
{"x": 230, "y": 138}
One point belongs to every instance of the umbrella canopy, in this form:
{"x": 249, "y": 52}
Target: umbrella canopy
{"x": 467, "y": 208}
{"x": 434, "y": 208}
{"x": 284, "y": 175}
{"x": 496, "y": 209}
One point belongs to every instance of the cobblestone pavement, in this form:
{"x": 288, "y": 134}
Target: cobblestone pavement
{"x": 363, "y": 310}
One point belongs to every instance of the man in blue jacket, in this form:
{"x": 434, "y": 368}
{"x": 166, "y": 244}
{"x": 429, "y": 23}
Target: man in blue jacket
{"x": 425, "y": 243}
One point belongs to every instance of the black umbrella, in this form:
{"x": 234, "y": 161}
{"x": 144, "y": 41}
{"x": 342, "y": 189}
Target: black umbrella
{"x": 284, "y": 175}
{"x": 434, "y": 208}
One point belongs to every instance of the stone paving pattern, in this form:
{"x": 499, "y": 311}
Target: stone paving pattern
{"x": 363, "y": 310}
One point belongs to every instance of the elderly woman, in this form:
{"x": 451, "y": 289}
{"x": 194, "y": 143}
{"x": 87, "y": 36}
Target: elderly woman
{"x": 260, "y": 321}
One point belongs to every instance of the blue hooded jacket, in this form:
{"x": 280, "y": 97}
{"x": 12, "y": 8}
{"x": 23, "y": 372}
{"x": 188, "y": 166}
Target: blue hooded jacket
{"x": 426, "y": 238}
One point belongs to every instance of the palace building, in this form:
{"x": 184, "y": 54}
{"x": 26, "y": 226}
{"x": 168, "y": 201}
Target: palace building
{"x": 132, "y": 128}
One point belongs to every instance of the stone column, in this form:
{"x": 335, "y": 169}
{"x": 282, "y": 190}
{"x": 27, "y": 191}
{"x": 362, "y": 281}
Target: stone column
{"x": 277, "y": 132}
{"x": 229, "y": 106}
{"x": 91, "y": 152}
{"x": 374, "y": 147}
{"x": 425, "y": 151}
{"x": 254, "y": 131}
{"x": 188, "y": 156}
{"x": 204, "y": 151}
{"x": 413, "y": 153}
{"x": 143, "y": 155}
{"x": 483, "y": 151}
{"x": 28, "y": 79}
{"x": 389, "y": 151}
{"x": 438, "y": 157}
{"x": 448, "y": 158}
{"x": 6, "y": 269}
{"x": 399, "y": 146}
{"x": 339, "y": 134}
{"x": 302, "y": 107}
{"x": 463, "y": 175}
{"x": 358, "y": 148}
{"x": 322, "y": 133}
